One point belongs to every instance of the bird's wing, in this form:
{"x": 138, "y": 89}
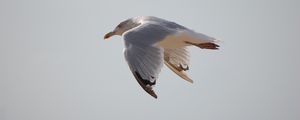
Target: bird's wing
{"x": 145, "y": 63}
{"x": 178, "y": 61}
{"x": 144, "y": 57}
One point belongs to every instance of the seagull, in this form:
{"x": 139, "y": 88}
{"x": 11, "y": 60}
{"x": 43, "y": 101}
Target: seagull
{"x": 151, "y": 42}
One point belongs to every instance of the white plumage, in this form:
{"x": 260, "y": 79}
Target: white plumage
{"x": 152, "y": 41}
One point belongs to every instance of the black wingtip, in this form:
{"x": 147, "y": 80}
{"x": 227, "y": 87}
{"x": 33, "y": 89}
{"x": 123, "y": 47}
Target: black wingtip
{"x": 150, "y": 92}
{"x": 155, "y": 97}
{"x": 145, "y": 84}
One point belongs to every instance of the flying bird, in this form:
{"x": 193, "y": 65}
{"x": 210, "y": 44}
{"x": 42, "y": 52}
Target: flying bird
{"x": 151, "y": 42}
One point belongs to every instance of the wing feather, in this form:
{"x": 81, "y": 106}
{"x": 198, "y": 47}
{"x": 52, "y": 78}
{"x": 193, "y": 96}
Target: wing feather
{"x": 178, "y": 61}
{"x": 144, "y": 58}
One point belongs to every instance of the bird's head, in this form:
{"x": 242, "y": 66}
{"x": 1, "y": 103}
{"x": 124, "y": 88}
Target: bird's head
{"x": 122, "y": 27}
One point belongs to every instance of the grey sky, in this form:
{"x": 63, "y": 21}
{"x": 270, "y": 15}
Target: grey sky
{"x": 55, "y": 64}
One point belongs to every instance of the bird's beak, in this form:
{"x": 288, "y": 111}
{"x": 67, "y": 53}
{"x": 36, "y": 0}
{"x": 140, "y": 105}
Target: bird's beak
{"x": 108, "y": 35}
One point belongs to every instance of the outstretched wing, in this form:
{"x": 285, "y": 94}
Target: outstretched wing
{"x": 145, "y": 63}
{"x": 178, "y": 61}
{"x": 144, "y": 57}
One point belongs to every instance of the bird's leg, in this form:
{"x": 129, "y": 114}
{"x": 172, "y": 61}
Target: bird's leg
{"x": 208, "y": 45}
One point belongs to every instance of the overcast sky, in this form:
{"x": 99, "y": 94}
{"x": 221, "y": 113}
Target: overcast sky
{"x": 55, "y": 65}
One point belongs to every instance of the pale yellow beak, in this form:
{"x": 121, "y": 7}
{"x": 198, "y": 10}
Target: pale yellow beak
{"x": 108, "y": 35}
